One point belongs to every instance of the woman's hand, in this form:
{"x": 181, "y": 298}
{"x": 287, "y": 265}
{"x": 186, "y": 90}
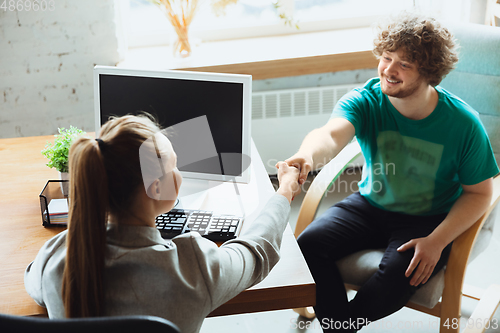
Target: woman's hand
{"x": 302, "y": 163}
{"x": 288, "y": 177}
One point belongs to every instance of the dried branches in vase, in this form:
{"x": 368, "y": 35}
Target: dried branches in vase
{"x": 180, "y": 14}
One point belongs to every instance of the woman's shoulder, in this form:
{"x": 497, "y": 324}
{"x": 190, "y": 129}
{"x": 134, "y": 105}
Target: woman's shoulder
{"x": 56, "y": 242}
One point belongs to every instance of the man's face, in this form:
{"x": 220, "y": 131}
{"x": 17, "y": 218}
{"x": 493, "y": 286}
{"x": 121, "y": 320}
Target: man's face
{"x": 398, "y": 77}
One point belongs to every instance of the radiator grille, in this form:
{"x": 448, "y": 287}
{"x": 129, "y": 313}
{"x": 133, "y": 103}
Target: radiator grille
{"x": 297, "y": 102}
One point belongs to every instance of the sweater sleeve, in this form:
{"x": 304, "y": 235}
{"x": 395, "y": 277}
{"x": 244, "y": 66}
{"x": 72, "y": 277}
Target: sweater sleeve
{"x": 245, "y": 261}
{"x": 34, "y": 272}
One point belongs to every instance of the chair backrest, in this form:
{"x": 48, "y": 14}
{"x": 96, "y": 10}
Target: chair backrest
{"x": 122, "y": 324}
{"x": 476, "y": 78}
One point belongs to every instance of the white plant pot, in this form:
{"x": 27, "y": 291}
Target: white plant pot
{"x": 64, "y": 185}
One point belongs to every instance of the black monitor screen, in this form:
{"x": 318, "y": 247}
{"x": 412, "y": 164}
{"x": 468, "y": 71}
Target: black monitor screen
{"x": 172, "y": 101}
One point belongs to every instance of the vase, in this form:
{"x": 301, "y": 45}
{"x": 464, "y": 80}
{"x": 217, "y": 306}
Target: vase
{"x": 64, "y": 185}
{"x": 182, "y": 44}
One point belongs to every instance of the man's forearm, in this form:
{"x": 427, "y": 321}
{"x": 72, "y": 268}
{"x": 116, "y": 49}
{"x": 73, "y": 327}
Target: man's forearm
{"x": 465, "y": 212}
{"x": 319, "y": 146}
{"x": 324, "y": 143}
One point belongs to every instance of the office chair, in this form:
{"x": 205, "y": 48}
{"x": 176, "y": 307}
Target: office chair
{"x": 122, "y": 324}
{"x": 477, "y": 81}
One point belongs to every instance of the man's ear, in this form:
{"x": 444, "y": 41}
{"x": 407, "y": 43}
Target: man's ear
{"x": 154, "y": 191}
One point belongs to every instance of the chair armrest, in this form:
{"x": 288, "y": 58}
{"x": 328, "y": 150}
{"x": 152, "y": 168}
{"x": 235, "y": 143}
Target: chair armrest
{"x": 460, "y": 252}
{"x": 322, "y": 182}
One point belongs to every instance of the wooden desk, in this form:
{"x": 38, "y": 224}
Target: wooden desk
{"x": 23, "y": 175}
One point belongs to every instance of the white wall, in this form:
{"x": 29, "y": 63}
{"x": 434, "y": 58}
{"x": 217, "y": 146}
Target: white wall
{"x": 46, "y": 61}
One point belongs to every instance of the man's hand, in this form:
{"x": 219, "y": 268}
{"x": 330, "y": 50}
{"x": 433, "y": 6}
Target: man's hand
{"x": 427, "y": 254}
{"x": 302, "y": 163}
{"x": 467, "y": 209}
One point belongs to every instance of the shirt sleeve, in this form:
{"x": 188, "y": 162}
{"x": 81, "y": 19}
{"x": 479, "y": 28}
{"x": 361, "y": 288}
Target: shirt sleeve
{"x": 478, "y": 161}
{"x": 350, "y": 107}
{"x": 34, "y": 272}
{"x": 247, "y": 260}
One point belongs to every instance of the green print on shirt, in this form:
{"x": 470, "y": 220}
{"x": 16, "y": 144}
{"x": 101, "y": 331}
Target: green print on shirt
{"x": 408, "y": 186}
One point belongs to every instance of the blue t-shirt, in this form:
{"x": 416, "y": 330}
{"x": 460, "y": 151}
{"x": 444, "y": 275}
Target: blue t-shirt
{"x": 417, "y": 166}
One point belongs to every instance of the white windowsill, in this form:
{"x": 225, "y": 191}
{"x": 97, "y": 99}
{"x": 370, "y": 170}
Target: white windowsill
{"x": 241, "y": 54}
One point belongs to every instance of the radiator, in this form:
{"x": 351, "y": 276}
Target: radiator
{"x": 282, "y": 118}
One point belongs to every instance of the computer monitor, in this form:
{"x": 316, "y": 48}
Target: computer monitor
{"x": 179, "y": 99}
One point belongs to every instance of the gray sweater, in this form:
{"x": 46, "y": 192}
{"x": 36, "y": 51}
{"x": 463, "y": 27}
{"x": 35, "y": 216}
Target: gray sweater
{"x": 181, "y": 280}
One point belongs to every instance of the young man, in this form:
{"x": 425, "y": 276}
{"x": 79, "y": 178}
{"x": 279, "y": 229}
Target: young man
{"x": 427, "y": 176}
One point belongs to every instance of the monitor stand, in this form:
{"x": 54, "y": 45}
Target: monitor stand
{"x": 193, "y": 194}
{"x": 217, "y": 196}
{"x": 221, "y": 197}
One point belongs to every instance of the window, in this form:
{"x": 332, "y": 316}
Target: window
{"x": 146, "y": 25}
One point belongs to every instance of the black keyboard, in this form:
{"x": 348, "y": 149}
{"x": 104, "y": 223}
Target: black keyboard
{"x": 206, "y": 223}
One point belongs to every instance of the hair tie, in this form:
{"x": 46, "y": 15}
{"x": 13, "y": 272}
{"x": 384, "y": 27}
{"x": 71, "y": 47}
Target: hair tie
{"x": 100, "y": 142}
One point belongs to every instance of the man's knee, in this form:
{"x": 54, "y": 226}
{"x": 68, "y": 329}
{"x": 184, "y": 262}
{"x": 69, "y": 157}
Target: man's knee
{"x": 307, "y": 240}
{"x": 394, "y": 266}
{"x": 316, "y": 242}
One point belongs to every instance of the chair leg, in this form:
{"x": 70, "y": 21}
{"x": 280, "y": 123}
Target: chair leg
{"x": 450, "y": 313}
{"x": 306, "y": 312}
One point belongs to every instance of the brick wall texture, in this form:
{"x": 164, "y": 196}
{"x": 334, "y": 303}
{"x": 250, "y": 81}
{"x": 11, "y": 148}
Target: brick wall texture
{"x": 46, "y": 62}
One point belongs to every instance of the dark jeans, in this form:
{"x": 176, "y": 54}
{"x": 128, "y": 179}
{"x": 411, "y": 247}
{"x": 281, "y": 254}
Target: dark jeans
{"x": 350, "y": 226}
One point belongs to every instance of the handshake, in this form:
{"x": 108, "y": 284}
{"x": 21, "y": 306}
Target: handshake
{"x": 291, "y": 174}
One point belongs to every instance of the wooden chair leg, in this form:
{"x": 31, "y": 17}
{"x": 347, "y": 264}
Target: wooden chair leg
{"x": 450, "y": 318}
{"x": 451, "y": 308}
{"x": 306, "y": 312}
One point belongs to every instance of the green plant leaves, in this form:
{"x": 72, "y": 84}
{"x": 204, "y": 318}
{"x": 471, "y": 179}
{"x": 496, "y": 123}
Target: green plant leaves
{"x": 57, "y": 153}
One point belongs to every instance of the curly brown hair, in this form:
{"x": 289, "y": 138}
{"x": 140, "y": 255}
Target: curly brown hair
{"x": 423, "y": 40}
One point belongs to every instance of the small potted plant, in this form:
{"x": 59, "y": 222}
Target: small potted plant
{"x": 57, "y": 153}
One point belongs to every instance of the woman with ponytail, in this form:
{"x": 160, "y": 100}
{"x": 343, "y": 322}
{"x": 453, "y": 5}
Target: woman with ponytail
{"x": 113, "y": 261}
